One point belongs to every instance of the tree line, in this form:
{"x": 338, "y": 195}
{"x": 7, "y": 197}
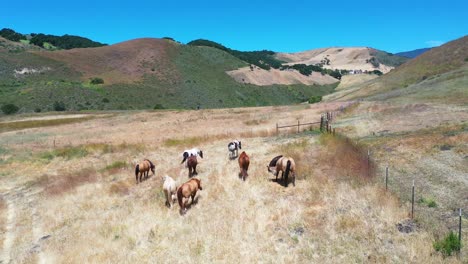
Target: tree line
{"x": 60, "y": 42}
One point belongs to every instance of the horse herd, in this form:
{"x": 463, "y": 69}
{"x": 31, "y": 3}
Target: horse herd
{"x": 182, "y": 193}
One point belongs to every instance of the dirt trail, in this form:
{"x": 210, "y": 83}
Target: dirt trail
{"x": 22, "y": 232}
{"x": 10, "y": 231}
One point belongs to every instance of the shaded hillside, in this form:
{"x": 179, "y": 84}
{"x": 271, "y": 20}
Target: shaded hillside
{"x": 413, "y": 53}
{"x": 448, "y": 61}
{"x": 264, "y": 59}
{"x": 138, "y": 74}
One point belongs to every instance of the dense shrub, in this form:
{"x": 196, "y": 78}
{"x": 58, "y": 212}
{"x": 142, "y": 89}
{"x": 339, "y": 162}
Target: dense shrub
{"x": 59, "y": 106}
{"x": 315, "y": 99}
{"x": 97, "y": 80}
{"x": 449, "y": 244}
{"x": 158, "y": 106}
{"x": 9, "y": 109}
{"x": 105, "y": 100}
{"x": 11, "y": 35}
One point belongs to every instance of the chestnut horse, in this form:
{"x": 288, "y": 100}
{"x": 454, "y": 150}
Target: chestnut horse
{"x": 192, "y": 166}
{"x": 170, "y": 190}
{"x": 186, "y": 190}
{"x": 286, "y": 165}
{"x": 244, "y": 162}
{"x": 142, "y": 169}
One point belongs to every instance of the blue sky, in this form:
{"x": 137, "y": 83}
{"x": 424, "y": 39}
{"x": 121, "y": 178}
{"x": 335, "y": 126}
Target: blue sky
{"x": 287, "y": 26}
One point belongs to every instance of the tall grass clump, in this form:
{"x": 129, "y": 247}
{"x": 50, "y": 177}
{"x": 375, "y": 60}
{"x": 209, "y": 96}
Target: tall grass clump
{"x": 448, "y": 245}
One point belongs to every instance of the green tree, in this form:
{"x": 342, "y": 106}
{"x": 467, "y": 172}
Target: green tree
{"x": 59, "y": 106}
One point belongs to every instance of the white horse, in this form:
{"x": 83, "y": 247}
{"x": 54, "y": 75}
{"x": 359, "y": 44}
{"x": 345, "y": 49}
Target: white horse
{"x": 191, "y": 152}
{"x": 170, "y": 190}
{"x": 233, "y": 148}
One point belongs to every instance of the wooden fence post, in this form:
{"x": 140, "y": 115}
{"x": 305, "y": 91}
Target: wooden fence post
{"x": 321, "y": 123}
{"x": 459, "y": 227}
{"x": 298, "y": 124}
{"x": 386, "y": 178}
{"x": 277, "y": 130}
{"x": 412, "y": 202}
{"x": 368, "y": 163}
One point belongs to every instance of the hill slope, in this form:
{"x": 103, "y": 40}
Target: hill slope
{"x": 444, "y": 69}
{"x": 355, "y": 58}
{"x": 138, "y": 74}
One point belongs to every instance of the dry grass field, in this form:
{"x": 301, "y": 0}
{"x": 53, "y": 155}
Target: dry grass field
{"x": 68, "y": 192}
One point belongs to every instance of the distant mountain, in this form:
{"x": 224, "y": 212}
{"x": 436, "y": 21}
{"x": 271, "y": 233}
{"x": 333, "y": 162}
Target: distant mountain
{"x": 413, "y": 53}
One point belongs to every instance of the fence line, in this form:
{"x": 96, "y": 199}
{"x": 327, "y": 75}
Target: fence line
{"x": 325, "y": 123}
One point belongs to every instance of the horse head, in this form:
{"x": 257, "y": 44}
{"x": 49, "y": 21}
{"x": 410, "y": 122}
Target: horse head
{"x": 201, "y": 154}
{"x": 185, "y": 156}
{"x": 240, "y": 145}
{"x": 199, "y": 184}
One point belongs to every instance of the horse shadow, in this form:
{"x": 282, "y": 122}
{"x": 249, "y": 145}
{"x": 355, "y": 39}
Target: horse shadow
{"x": 279, "y": 181}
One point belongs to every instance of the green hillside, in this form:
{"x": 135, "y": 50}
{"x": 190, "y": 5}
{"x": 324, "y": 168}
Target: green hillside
{"x": 183, "y": 76}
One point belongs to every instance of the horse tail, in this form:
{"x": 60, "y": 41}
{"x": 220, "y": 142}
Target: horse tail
{"x": 137, "y": 170}
{"x": 179, "y": 197}
{"x": 286, "y": 173}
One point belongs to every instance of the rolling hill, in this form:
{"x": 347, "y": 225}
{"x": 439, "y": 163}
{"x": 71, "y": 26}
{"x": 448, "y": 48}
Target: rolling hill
{"x": 439, "y": 74}
{"x": 137, "y": 74}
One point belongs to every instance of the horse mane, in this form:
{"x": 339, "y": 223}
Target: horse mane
{"x": 274, "y": 161}
{"x": 151, "y": 163}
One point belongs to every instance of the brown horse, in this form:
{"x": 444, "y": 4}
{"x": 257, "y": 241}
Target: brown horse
{"x": 142, "y": 169}
{"x": 286, "y": 165}
{"x": 186, "y": 190}
{"x": 192, "y": 166}
{"x": 244, "y": 162}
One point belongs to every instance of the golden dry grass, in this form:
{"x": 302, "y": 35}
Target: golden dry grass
{"x": 94, "y": 212}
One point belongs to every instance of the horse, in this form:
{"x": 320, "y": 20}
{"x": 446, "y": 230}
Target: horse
{"x": 284, "y": 164}
{"x": 244, "y": 162}
{"x": 191, "y": 152}
{"x": 142, "y": 169}
{"x": 192, "y": 166}
{"x": 234, "y": 146}
{"x": 186, "y": 190}
{"x": 170, "y": 190}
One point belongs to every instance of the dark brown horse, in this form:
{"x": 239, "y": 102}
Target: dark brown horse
{"x": 142, "y": 169}
{"x": 244, "y": 162}
{"x": 192, "y": 166}
{"x": 186, "y": 190}
{"x": 286, "y": 165}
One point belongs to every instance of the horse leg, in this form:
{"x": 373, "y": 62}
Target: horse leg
{"x": 166, "y": 193}
{"x": 195, "y": 170}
